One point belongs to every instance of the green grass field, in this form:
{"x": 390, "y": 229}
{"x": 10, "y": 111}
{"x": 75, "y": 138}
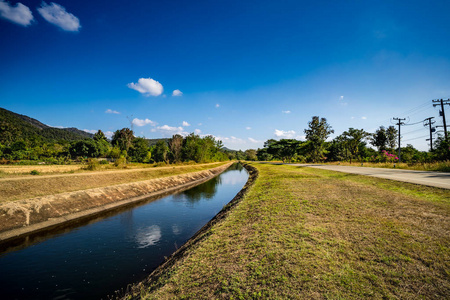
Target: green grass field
{"x": 303, "y": 233}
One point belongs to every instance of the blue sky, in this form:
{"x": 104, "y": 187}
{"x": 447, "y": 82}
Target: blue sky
{"x": 243, "y": 71}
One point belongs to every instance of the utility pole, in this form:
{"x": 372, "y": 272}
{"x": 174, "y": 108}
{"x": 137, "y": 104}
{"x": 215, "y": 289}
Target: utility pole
{"x": 400, "y": 123}
{"x": 442, "y": 102}
{"x": 431, "y": 130}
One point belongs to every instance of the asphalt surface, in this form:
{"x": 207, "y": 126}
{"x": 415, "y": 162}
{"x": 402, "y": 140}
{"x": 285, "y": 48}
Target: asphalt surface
{"x": 435, "y": 179}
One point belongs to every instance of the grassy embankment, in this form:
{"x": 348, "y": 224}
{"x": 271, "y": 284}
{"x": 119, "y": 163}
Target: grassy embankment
{"x": 17, "y": 187}
{"x": 310, "y": 233}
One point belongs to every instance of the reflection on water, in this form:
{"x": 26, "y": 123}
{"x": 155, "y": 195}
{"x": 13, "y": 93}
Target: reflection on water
{"x": 206, "y": 190}
{"x": 148, "y": 236}
{"x": 94, "y": 260}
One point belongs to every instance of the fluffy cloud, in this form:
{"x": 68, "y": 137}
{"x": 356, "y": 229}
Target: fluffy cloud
{"x": 139, "y": 122}
{"x": 177, "y": 93}
{"x": 248, "y": 128}
{"x": 110, "y": 111}
{"x": 167, "y": 130}
{"x": 109, "y": 134}
{"x": 90, "y": 130}
{"x": 284, "y": 134}
{"x": 147, "y": 86}
{"x": 286, "y": 111}
{"x": 197, "y": 131}
{"x": 19, "y": 14}
{"x": 253, "y": 140}
{"x": 58, "y": 16}
{"x": 217, "y": 105}
{"x": 186, "y": 124}
{"x": 364, "y": 118}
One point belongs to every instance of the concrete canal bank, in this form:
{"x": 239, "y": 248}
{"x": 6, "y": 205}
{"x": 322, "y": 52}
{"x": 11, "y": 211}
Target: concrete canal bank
{"x": 20, "y": 218}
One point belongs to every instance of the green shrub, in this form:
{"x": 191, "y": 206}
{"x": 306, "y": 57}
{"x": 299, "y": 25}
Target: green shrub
{"x": 104, "y": 162}
{"x": 92, "y": 164}
{"x": 35, "y": 172}
{"x": 120, "y": 162}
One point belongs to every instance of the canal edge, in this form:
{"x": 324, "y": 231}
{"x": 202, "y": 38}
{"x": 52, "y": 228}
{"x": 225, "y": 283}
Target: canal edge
{"x": 21, "y": 232}
{"x": 133, "y": 291}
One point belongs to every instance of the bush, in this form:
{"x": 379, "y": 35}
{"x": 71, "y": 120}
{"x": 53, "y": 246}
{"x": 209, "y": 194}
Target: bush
{"x": 35, "y": 172}
{"x": 92, "y": 164}
{"x": 121, "y": 162}
{"x": 104, "y": 162}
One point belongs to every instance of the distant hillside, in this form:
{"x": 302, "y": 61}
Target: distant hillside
{"x": 15, "y": 127}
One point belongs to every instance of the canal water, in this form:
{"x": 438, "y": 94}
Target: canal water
{"x": 94, "y": 260}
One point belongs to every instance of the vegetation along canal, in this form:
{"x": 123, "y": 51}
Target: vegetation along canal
{"x": 92, "y": 261}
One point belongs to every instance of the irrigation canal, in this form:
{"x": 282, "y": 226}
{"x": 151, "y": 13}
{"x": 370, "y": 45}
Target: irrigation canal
{"x": 93, "y": 260}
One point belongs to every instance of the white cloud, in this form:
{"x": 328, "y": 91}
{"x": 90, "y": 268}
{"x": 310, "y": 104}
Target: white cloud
{"x": 19, "y": 14}
{"x": 286, "y": 111}
{"x": 248, "y": 128}
{"x": 197, "y": 131}
{"x": 110, "y": 111}
{"x": 90, "y": 130}
{"x": 217, "y": 105}
{"x": 364, "y": 118}
{"x": 139, "y": 122}
{"x": 109, "y": 134}
{"x": 253, "y": 140}
{"x": 341, "y": 98}
{"x": 147, "y": 86}
{"x": 186, "y": 124}
{"x": 177, "y": 93}
{"x": 58, "y": 16}
{"x": 284, "y": 134}
{"x": 167, "y": 130}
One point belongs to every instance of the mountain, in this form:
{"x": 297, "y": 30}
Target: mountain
{"x": 14, "y": 127}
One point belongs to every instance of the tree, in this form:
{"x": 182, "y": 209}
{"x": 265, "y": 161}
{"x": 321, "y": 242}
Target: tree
{"x": 139, "y": 151}
{"x": 379, "y": 139}
{"x": 100, "y": 136}
{"x": 317, "y": 132}
{"x": 123, "y": 138}
{"x": 250, "y": 154}
{"x": 84, "y": 148}
{"x": 175, "y": 146}
{"x": 353, "y": 139}
{"x": 160, "y": 152}
{"x": 392, "y": 136}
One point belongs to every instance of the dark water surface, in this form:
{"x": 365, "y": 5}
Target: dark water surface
{"x": 94, "y": 260}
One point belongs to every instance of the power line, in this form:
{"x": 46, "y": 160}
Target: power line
{"x": 420, "y": 129}
{"x": 416, "y": 138}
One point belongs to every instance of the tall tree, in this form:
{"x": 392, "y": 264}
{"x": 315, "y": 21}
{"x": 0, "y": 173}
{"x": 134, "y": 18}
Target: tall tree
{"x": 316, "y": 134}
{"x": 123, "y": 138}
{"x": 379, "y": 139}
{"x": 175, "y": 146}
{"x": 353, "y": 139}
{"x": 392, "y": 135}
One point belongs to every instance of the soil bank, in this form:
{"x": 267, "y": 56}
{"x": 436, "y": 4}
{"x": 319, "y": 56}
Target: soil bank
{"x": 19, "y": 218}
{"x": 153, "y": 280}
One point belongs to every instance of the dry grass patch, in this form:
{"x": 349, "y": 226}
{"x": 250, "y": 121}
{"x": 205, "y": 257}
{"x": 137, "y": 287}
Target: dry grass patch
{"x": 33, "y": 186}
{"x": 304, "y": 233}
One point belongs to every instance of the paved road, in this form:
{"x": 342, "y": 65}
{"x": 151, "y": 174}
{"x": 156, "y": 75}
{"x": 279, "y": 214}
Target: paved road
{"x": 436, "y": 179}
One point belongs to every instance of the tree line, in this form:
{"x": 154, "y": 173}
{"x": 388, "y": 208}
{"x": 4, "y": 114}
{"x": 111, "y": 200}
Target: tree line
{"x": 122, "y": 145}
{"x": 351, "y": 145}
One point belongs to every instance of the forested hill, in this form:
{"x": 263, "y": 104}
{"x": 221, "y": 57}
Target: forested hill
{"x": 14, "y": 127}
